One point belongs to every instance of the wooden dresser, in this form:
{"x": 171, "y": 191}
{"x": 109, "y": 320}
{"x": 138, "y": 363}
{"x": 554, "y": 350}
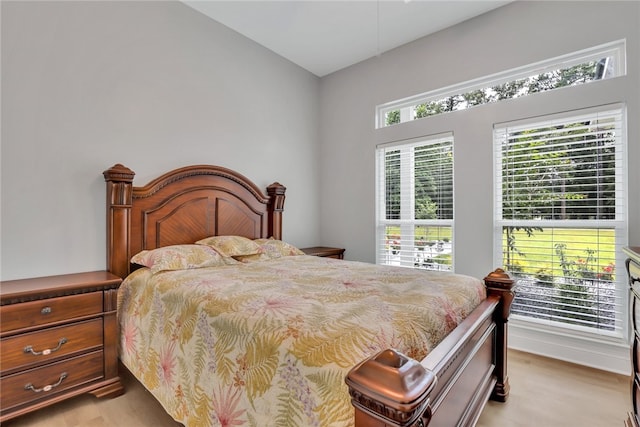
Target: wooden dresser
{"x": 58, "y": 339}
{"x": 633, "y": 272}
{"x": 324, "y": 251}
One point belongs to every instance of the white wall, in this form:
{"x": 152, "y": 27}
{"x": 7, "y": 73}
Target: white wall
{"x": 152, "y": 85}
{"x": 517, "y": 34}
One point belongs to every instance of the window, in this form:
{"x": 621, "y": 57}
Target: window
{"x": 415, "y": 203}
{"x": 561, "y": 217}
{"x": 597, "y": 63}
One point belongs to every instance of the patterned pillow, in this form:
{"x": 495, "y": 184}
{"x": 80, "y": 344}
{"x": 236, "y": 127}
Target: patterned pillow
{"x": 251, "y": 258}
{"x": 180, "y": 257}
{"x": 231, "y": 246}
{"x": 277, "y": 248}
{"x": 270, "y": 249}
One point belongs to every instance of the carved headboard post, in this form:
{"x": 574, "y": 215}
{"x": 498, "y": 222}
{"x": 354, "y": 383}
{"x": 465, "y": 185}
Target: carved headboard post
{"x": 119, "y": 199}
{"x": 276, "y": 207}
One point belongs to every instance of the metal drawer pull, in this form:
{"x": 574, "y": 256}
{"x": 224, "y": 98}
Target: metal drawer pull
{"x": 47, "y": 351}
{"x": 46, "y": 310}
{"x": 47, "y": 387}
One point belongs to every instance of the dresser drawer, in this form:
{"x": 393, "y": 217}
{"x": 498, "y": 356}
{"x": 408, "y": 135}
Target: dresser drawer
{"x": 634, "y": 282}
{"x": 26, "y": 350}
{"x": 34, "y": 313}
{"x": 634, "y": 276}
{"x": 49, "y": 380}
{"x": 635, "y": 315}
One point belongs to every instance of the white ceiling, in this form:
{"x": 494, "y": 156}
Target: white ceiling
{"x": 326, "y": 36}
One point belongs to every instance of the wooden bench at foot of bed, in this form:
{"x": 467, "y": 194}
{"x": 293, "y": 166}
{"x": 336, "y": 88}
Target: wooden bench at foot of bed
{"x": 452, "y": 384}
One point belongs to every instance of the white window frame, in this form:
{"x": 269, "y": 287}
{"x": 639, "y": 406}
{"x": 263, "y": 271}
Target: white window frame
{"x": 407, "y": 221}
{"x": 613, "y": 50}
{"x": 620, "y": 224}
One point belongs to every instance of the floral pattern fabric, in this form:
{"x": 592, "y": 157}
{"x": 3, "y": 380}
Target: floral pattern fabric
{"x": 274, "y": 248}
{"x": 231, "y": 245}
{"x": 180, "y": 257}
{"x": 270, "y": 343}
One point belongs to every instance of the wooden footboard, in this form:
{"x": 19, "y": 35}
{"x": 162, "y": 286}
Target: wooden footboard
{"x": 452, "y": 384}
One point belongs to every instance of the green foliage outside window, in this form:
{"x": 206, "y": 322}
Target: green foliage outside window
{"x": 543, "y": 82}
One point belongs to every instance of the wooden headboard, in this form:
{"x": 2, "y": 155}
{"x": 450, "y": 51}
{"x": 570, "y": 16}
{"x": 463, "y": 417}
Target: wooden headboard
{"x": 182, "y": 206}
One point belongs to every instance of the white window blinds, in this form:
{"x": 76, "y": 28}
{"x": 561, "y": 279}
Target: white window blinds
{"x": 561, "y": 217}
{"x": 415, "y": 203}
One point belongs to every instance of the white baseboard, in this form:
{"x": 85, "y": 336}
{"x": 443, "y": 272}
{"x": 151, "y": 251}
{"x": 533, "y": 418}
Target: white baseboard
{"x": 608, "y": 356}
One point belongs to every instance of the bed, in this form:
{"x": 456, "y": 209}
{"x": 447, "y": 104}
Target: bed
{"x": 411, "y": 359}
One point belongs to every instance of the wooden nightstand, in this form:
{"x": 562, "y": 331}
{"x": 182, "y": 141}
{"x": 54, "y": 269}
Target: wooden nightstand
{"x": 59, "y": 338}
{"x": 324, "y": 251}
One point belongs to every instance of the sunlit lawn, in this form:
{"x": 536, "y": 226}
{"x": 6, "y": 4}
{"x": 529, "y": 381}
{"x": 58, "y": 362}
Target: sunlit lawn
{"x": 538, "y": 252}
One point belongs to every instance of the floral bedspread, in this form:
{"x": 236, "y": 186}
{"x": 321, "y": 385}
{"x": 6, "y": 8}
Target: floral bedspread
{"x": 269, "y": 343}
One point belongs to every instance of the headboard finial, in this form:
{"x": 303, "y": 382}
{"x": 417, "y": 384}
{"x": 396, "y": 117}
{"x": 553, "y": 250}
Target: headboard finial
{"x": 119, "y": 172}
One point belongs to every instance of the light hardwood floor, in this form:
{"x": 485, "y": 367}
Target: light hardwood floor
{"x": 544, "y": 392}
{"x": 547, "y": 392}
